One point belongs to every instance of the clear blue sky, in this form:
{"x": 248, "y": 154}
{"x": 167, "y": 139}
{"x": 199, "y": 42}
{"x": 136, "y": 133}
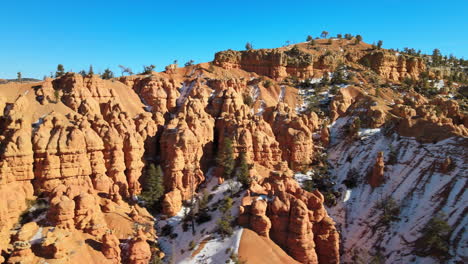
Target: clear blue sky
{"x": 38, "y": 35}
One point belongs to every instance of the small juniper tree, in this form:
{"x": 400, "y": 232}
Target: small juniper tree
{"x": 309, "y": 38}
{"x": 358, "y": 39}
{"x": 60, "y": 71}
{"x": 148, "y": 69}
{"x": 225, "y": 158}
{"x": 108, "y": 74}
{"x": 339, "y": 36}
{"x": 248, "y": 46}
{"x": 435, "y": 239}
{"x": 153, "y": 188}
{"x": 82, "y": 73}
{"x": 189, "y": 63}
{"x": 379, "y": 44}
{"x": 324, "y": 34}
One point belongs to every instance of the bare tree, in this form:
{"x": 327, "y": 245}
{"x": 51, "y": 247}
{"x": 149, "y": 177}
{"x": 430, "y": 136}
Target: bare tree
{"x": 125, "y": 70}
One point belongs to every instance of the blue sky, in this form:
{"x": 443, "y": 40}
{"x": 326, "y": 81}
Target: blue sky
{"x": 38, "y": 35}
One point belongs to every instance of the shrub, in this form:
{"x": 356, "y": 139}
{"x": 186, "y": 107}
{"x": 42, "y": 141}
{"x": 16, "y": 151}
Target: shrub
{"x": 248, "y": 100}
{"x": 352, "y": 179}
{"x": 267, "y": 83}
{"x": 224, "y": 227}
{"x": 148, "y": 69}
{"x": 192, "y": 245}
{"x": 390, "y": 211}
{"x": 358, "y": 39}
{"x": 392, "y": 156}
{"x": 309, "y": 38}
{"x": 189, "y": 63}
{"x": 339, "y": 36}
{"x": 167, "y": 230}
{"x": 435, "y": 239}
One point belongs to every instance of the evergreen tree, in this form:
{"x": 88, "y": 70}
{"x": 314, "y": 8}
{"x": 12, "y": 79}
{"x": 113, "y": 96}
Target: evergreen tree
{"x": 358, "y": 39}
{"x": 91, "y": 71}
{"x": 435, "y": 239}
{"x": 108, "y": 74}
{"x": 82, "y": 73}
{"x": 60, "y": 71}
{"x": 189, "y": 63}
{"x": 225, "y": 158}
{"x": 248, "y": 46}
{"x": 148, "y": 69}
{"x": 324, "y": 34}
{"x": 379, "y": 44}
{"x": 153, "y": 188}
{"x": 309, "y": 38}
{"x": 224, "y": 223}
{"x": 19, "y": 76}
{"x": 243, "y": 174}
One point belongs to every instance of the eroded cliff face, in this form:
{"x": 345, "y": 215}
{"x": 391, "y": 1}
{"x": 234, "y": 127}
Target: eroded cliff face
{"x": 306, "y": 61}
{"x": 278, "y": 208}
{"x": 394, "y": 67}
{"x": 275, "y": 63}
{"x": 84, "y": 166}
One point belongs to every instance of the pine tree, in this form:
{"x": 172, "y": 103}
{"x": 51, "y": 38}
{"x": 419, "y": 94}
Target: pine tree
{"x": 19, "y": 76}
{"x": 379, "y": 44}
{"x": 243, "y": 174}
{"x": 60, "y": 71}
{"x": 435, "y": 239}
{"x": 309, "y": 38}
{"x": 91, "y": 71}
{"x": 248, "y": 46}
{"x": 324, "y": 34}
{"x": 225, "y": 158}
{"x": 108, "y": 74}
{"x": 224, "y": 223}
{"x": 358, "y": 39}
{"x": 153, "y": 188}
{"x": 82, "y": 73}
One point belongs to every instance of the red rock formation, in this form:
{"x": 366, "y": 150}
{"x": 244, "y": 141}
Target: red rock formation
{"x": 111, "y": 248}
{"x": 393, "y": 67}
{"x": 377, "y": 176}
{"x": 16, "y": 173}
{"x": 325, "y": 135}
{"x": 157, "y": 91}
{"x": 293, "y": 135}
{"x": 139, "y": 251}
{"x": 299, "y": 221}
{"x": 274, "y": 63}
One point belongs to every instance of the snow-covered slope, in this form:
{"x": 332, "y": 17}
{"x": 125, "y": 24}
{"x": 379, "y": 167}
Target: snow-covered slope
{"x": 415, "y": 182}
{"x": 208, "y": 246}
